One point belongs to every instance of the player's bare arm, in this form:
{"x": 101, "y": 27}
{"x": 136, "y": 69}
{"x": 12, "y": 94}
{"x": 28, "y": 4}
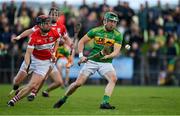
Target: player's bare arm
{"x": 23, "y": 34}
{"x": 27, "y": 56}
{"x": 53, "y": 57}
{"x": 68, "y": 41}
{"x": 115, "y": 52}
{"x": 81, "y": 44}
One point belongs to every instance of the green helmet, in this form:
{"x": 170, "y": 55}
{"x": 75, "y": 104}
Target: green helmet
{"x": 111, "y": 16}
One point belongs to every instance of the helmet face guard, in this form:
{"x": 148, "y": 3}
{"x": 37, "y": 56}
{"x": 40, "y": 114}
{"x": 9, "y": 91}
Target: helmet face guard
{"x": 54, "y": 14}
{"x": 110, "y": 17}
{"x": 43, "y": 20}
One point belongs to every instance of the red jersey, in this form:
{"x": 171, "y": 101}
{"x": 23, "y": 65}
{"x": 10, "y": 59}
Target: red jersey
{"x": 43, "y": 44}
{"x": 60, "y": 28}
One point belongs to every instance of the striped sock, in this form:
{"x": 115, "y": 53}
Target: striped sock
{"x": 33, "y": 92}
{"x": 15, "y": 99}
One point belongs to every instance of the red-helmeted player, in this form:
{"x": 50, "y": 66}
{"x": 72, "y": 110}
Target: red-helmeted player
{"x": 38, "y": 58}
{"x": 55, "y": 75}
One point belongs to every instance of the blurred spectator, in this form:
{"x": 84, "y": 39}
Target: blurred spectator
{"x": 22, "y": 8}
{"x": 11, "y": 12}
{"x": 4, "y": 8}
{"x": 122, "y": 26}
{"x": 171, "y": 52}
{"x": 24, "y": 19}
{"x": 91, "y": 21}
{"x": 53, "y": 4}
{"x": 160, "y": 37}
{"x": 157, "y": 10}
{"x": 83, "y": 13}
{"x": 33, "y": 16}
{"x": 143, "y": 18}
{"x": 104, "y": 6}
{"x": 119, "y": 9}
{"x": 40, "y": 12}
{"x": 94, "y": 8}
{"x": 170, "y": 25}
{"x": 2, "y": 51}
{"x": 84, "y": 5}
{"x": 70, "y": 26}
{"x": 176, "y": 17}
{"x": 65, "y": 9}
{"x": 6, "y": 35}
{"x": 3, "y": 21}
{"x": 128, "y": 12}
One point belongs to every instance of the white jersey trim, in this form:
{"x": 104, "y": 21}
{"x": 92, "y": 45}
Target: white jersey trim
{"x": 29, "y": 46}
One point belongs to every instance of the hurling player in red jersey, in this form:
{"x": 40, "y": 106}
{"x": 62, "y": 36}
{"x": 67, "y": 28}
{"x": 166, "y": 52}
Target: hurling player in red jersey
{"x": 38, "y": 57}
{"x": 55, "y": 75}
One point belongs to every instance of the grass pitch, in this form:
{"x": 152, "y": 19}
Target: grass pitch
{"x": 86, "y": 100}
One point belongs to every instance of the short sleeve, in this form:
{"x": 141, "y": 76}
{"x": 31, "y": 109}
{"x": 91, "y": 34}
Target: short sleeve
{"x": 31, "y": 42}
{"x": 56, "y": 34}
{"x": 119, "y": 39}
{"x": 35, "y": 28}
{"x": 63, "y": 31}
{"x": 91, "y": 33}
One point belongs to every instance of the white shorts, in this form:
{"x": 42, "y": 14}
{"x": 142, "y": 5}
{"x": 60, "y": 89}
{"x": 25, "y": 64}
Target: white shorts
{"x": 38, "y": 66}
{"x": 62, "y": 61}
{"x": 91, "y": 67}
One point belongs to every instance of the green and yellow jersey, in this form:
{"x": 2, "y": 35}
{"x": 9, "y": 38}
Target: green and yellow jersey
{"x": 62, "y": 51}
{"x": 102, "y": 39}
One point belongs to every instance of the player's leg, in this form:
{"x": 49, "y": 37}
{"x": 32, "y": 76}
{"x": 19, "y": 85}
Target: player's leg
{"x": 71, "y": 89}
{"x": 85, "y": 72}
{"x": 57, "y": 78}
{"x": 66, "y": 83}
{"x": 18, "y": 79}
{"x": 57, "y": 81}
{"x": 35, "y": 81}
{"x": 60, "y": 65}
{"x": 41, "y": 67}
{"x": 109, "y": 73}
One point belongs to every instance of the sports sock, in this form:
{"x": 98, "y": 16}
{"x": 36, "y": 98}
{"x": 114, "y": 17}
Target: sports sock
{"x": 33, "y": 92}
{"x": 15, "y": 99}
{"x": 64, "y": 98}
{"x": 105, "y": 99}
{"x": 45, "y": 91}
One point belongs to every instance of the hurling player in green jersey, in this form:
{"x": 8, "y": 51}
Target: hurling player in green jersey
{"x": 106, "y": 45}
{"x": 65, "y": 60}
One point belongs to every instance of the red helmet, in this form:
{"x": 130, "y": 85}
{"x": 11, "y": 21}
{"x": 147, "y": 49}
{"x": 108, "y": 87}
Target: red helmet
{"x": 41, "y": 20}
{"x": 53, "y": 9}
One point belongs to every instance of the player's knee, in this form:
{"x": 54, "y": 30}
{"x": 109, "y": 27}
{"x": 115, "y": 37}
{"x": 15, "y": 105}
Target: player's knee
{"x": 114, "y": 79}
{"x": 16, "y": 81}
{"x": 59, "y": 83}
{"x": 32, "y": 86}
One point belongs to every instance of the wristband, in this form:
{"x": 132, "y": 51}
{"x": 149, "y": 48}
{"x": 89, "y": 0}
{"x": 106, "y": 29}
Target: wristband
{"x": 80, "y": 54}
